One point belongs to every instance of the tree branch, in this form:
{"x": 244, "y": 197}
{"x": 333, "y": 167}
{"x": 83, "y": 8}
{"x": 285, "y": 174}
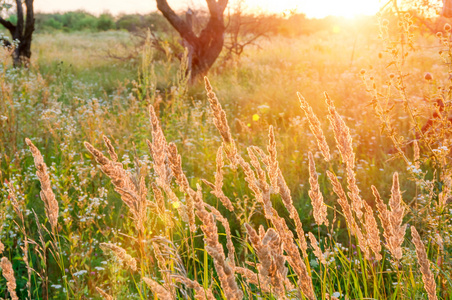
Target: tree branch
{"x": 216, "y": 8}
{"x": 180, "y": 25}
{"x": 20, "y": 20}
{"x": 8, "y": 25}
{"x": 222, "y": 4}
{"x": 30, "y": 19}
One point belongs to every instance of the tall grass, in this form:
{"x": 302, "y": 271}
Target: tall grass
{"x": 252, "y": 198}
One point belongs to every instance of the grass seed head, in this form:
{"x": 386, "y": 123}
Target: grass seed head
{"x": 8, "y": 273}
{"x": 424, "y": 263}
{"x": 47, "y": 195}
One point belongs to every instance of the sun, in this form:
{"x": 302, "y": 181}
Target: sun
{"x": 318, "y": 8}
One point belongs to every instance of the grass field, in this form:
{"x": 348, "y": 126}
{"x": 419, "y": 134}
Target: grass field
{"x": 232, "y": 195}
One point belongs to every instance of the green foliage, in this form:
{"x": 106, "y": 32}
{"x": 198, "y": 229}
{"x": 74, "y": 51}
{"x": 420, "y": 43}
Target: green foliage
{"x": 83, "y": 21}
{"x": 105, "y": 22}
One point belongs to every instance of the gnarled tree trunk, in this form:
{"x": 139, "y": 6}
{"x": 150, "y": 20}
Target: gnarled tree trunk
{"x": 204, "y": 49}
{"x": 22, "y": 32}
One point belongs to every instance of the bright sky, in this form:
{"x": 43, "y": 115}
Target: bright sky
{"x": 312, "y": 8}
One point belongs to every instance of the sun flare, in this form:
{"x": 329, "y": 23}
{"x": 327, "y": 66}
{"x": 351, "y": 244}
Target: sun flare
{"x": 318, "y": 9}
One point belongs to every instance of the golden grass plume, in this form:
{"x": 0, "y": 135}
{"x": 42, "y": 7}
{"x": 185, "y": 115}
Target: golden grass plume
{"x": 424, "y": 263}
{"x": 47, "y": 195}
{"x": 8, "y": 273}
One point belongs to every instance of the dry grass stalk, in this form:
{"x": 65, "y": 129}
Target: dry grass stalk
{"x": 47, "y": 195}
{"x": 159, "y": 152}
{"x": 16, "y": 205}
{"x": 293, "y": 257}
{"x": 301, "y": 235}
{"x": 225, "y": 269}
{"x": 133, "y": 196}
{"x": 163, "y": 267}
{"x": 157, "y": 289}
{"x": 218, "y": 191}
{"x": 372, "y": 232}
{"x": 225, "y": 223}
{"x": 356, "y": 201}
{"x": 284, "y": 191}
{"x": 286, "y": 197}
{"x": 363, "y": 243}
{"x": 319, "y": 207}
{"x": 316, "y": 129}
{"x": 111, "y": 149}
{"x": 158, "y": 149}
{"x": 166, "y": 215}
{"x": 175, "y": 162}
{"x": 8, "y": 273}
{"x": 221, "y": 122}
{"x": 396, "y": 219}
{"x": 262, "y": 194}
{"x": 274, "y": 171}
{"x": 383, "y": 214}
{"x": 120, "y": 254}
{"x": 252, "y": 278}
{"x": 272, "y": 164}
{"x": 104, "y": 294}
{"x": 24, "y": 249}
{"x": 417, "y": 155}
{"x": 271, "y": 269}
{"x": 341, "y": 134}
{"x": 424, "y": 263}
{"x": 345, "y": 145}
{"x": 201, "y": 294}
{"x": 260, "y": 188}
{"x": 391, "y": 220}
{"x": 258, "y": 185}
{"x": 317, "y": 251}
{"x": 350, "y": 219}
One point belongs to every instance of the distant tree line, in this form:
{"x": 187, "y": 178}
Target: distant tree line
{"x": 296, "y": 24}
{"x": 84, "y": 21}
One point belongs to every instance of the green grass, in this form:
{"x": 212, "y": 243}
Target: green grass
{"x": 75, "y": 92}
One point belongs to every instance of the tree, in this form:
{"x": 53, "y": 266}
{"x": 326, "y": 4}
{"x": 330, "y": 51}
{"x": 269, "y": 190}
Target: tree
{"x": 22, "y": 32}
{"x": 203, "y": 49}
{"x": 243, "y": 30}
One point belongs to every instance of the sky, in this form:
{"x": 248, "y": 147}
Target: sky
{"x": 312, "y": 8}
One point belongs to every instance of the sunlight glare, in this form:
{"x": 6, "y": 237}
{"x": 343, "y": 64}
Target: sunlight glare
{"x": 318, "y": 8}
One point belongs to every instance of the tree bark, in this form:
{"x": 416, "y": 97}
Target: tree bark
{"x": 204, "y": 49}
{"x": 22, "y": 32}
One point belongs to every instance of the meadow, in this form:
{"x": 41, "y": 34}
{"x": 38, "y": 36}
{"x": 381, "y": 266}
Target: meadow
{"x": 120, "y": 180}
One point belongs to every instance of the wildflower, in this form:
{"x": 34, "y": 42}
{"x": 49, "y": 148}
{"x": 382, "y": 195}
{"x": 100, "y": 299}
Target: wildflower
{"x": 256, "y": 117}
{"x": 56, "y": 286}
